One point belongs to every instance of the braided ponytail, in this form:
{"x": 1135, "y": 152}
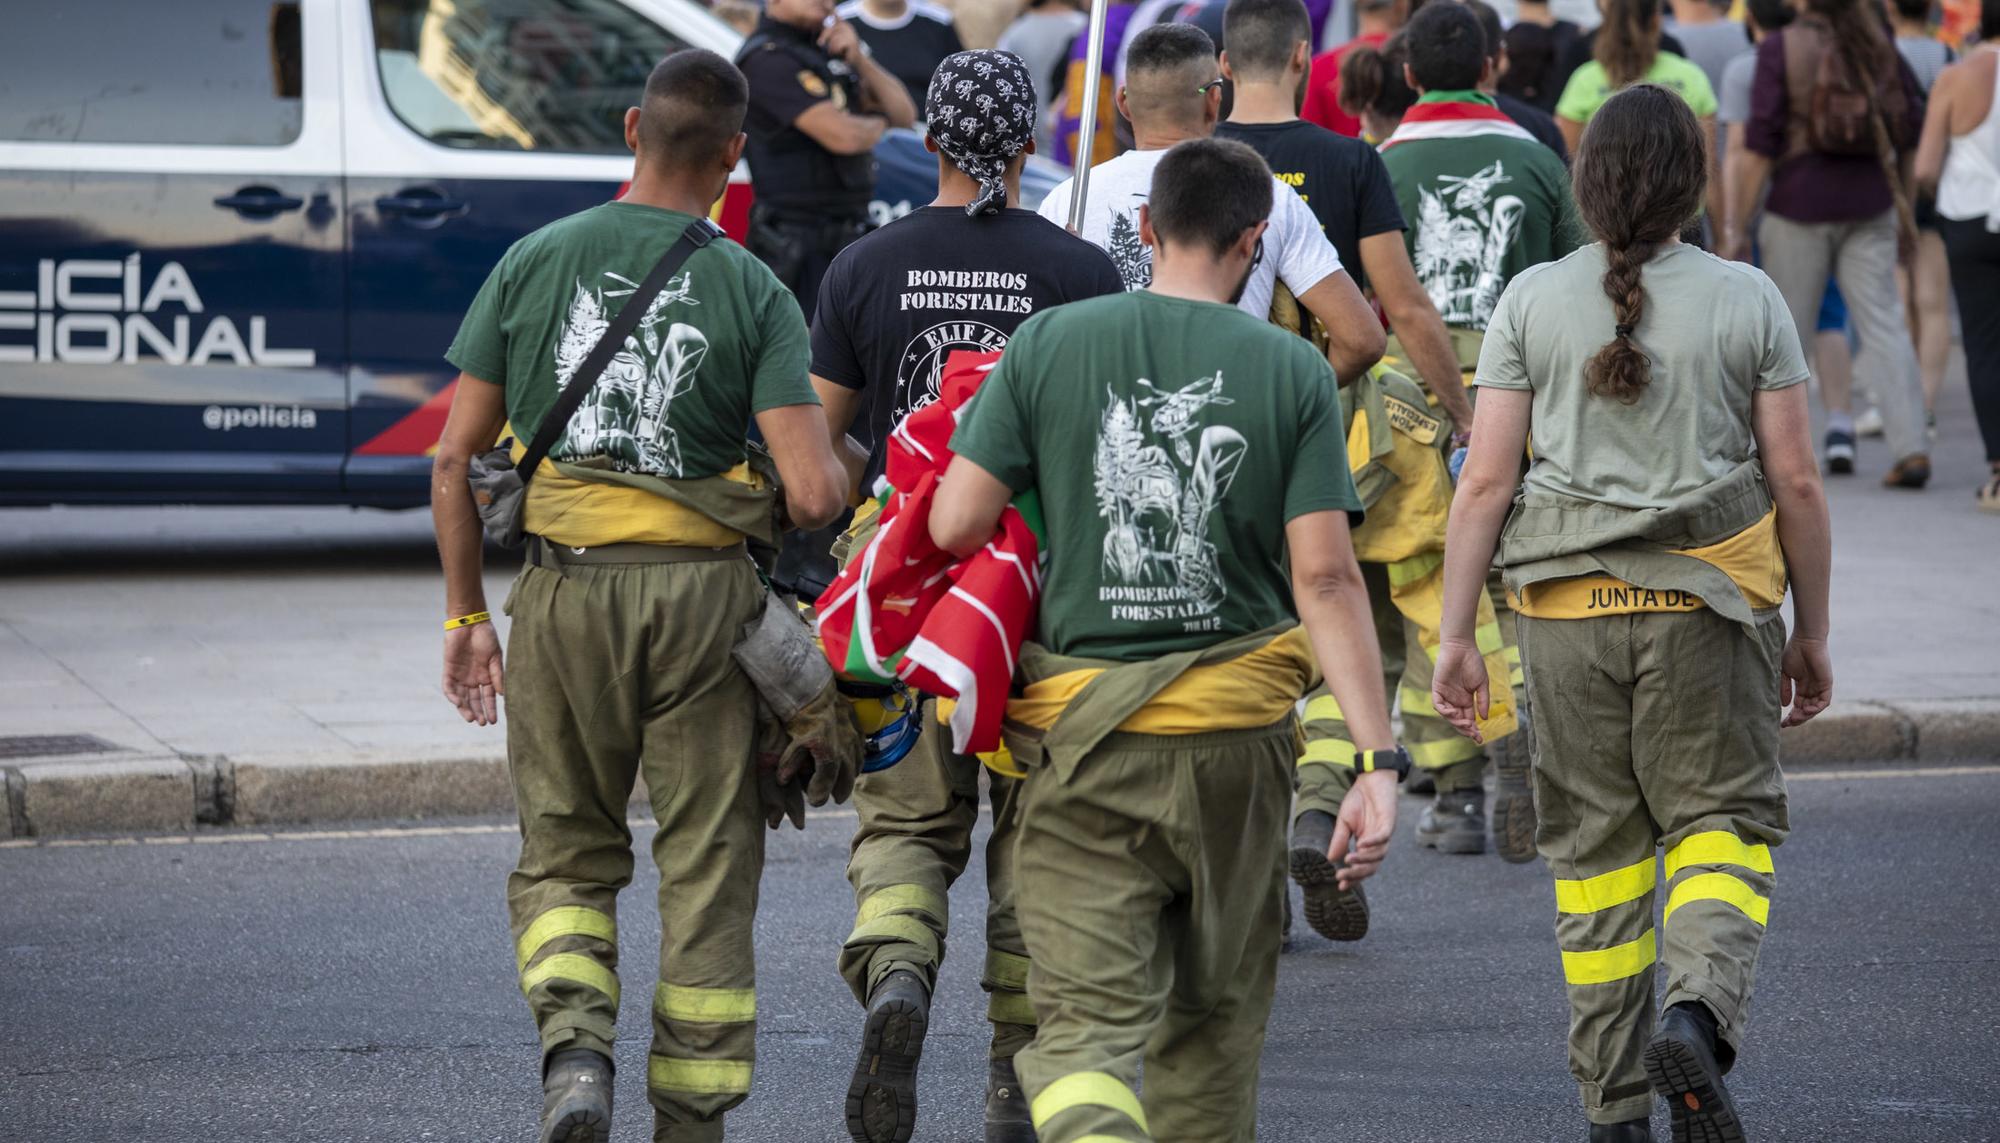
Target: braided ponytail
{"x": 1641, "y": 174}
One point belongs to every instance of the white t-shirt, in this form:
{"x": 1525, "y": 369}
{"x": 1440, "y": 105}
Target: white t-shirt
{"x": 1295, "y": 249}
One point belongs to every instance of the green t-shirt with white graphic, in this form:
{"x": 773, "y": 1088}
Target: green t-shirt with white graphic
{"x": 722, "y": 342}
{"x": 1481, "y": 209}
{"x": 1170, "y": 442}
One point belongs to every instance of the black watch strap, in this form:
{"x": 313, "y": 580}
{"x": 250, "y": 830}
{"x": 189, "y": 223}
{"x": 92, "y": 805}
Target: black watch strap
{"x": 1369, "y": 761}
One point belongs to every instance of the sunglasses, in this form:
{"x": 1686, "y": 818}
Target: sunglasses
{"x": 1211, "y": 85}
{"x": 1257, "y": 259}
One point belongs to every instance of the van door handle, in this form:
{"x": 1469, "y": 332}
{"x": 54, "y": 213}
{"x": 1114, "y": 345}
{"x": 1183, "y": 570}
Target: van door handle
{"x": 419, "y": 206}
{"x": 259, "y": 202}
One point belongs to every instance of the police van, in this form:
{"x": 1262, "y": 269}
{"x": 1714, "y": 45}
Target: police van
{"x": 236, "y": 236}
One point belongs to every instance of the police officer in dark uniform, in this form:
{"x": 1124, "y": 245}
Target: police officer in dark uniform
{"x": 818, "y": 106}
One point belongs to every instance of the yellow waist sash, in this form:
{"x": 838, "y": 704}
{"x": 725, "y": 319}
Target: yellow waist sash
{"x": 1752, "y": 559}
{"x": 1252, "y": 690}
{"x": 586, "y": 513}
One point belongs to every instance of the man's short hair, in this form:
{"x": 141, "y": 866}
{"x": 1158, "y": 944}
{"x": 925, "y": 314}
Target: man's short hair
{"x": 1207, "y": 192}
{"x": 1489, "y": 26}
{"x": 1165, "y": 65}
{"x": 694, "y": 107}
{"x": 1447, "y": 48}
{"x": 1263, "y": 34}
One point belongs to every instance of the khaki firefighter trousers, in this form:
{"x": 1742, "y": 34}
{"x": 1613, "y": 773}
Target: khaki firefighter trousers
{"x": 917, "y": 820}
{"x": 614, "y": 671}
{"x": 1655, "y": 732}
{"x": 1151, "y": 890}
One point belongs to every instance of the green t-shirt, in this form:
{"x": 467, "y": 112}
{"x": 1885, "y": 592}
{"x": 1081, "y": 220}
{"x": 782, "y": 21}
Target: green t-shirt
{"x": 1589, "y": 88}
{"x": 722, "y": 342}
{"x": 1716, "y": 332}
{"x": 1482, "y": 208}
{"x": 1170, "y": 441}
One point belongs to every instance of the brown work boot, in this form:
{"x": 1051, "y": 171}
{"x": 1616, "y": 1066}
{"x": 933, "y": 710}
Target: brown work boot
{"x": 1910, "y": 472}
{"x": 576, "y": 1097}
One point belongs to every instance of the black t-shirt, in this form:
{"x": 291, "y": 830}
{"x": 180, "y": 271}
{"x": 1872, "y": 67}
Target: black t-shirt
{"x": 897, "y": 303}
{"x": 1535, "y": 122}
{"x": 911, "y": 49}
{"x": 1341, "y": 179}
{"x": 1533, "y": 55}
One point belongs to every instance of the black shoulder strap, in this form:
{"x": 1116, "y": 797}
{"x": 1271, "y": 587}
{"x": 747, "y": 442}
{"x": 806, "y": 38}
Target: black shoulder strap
{"x": 753, "y": 44}
{"x": 697, "y": 235}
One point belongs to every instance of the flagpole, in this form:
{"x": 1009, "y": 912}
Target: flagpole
{"x": 1086, "y": 131}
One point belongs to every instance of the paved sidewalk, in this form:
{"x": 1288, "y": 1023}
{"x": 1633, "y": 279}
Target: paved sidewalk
{"x": 280, "y": 664}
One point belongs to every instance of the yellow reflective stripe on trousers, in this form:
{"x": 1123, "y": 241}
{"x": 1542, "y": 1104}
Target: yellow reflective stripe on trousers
{"x": 1602, "y": 966}
{"x": 899, "y": 899}
{"x": 895, "y": 927}
{"x": 699, "y": 1077}
{"x": 1416, "y": 702}
{"x": 1487, "y": 638}
{"x": 1096, "y": 1089}
{"x": 1331, "y": 751}
{"x": 1402, "y": 573}
{"x": 705, "y": 1005}
{"x": 1595, "y": 894}
{"x": 1323, "y": 709}
{"x": 1720, "y": 887}
{"x": 1007, "y": 970}
{"x": 1718, "y": 847}
{"x": 576, "y": 967}
{"x": 1010, "y": 1008}
{"x": 1442, "y": 752}
{"x": 565, "y": 921}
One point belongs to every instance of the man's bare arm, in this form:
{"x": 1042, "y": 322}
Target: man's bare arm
{"x": 966, "y": 511}
{"x": 842, "y": 405}
{"x": 1332, "y": 602}
{"x": 1354, "y": 335}
{"x": 815, "y": 481}
{"x": 1416, "y": 322}
{"x": 472, "y": 666}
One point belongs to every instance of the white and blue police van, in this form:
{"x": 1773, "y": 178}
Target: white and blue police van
{"x": 236, "y": 236}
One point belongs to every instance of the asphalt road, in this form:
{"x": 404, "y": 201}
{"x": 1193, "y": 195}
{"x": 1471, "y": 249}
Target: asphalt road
{"x": 302, "y": 987}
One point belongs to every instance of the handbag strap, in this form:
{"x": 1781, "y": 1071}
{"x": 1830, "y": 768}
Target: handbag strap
{"x": 697, "y": 235}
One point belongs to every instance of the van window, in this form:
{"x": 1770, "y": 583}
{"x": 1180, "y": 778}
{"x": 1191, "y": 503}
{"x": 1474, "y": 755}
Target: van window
{"x": 198, "y": 72}
{"x": 516, "y": 75}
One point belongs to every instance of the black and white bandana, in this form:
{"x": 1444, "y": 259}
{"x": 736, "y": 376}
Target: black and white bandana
{"x": 981, "y": 111}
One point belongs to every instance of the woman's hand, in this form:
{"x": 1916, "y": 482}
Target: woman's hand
{"x": 1805, "y": 679}
{"x": 1459, "y": 687}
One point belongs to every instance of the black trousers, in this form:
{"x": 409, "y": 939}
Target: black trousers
{"x": 1975, "y": 279}
{"x": 798, "y": 249}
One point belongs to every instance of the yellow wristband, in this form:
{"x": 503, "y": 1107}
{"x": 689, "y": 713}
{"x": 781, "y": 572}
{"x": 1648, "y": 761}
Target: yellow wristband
{"x": 467, "y": 620}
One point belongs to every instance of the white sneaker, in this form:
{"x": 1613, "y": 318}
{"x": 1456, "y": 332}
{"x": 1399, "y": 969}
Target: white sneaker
{"x": 1869, "y": 423}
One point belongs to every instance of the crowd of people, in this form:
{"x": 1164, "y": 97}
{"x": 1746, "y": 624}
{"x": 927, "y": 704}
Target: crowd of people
{"x": 1213, "y": 413}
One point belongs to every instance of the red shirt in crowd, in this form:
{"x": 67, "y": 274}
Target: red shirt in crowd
{"x": 1323, "y": 87}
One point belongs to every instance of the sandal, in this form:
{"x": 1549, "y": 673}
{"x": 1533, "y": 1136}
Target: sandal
{"x": 1989, "y": 493}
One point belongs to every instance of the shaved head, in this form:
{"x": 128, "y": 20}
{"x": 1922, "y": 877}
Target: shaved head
{"x": 693, "y": 110}
{"x": 1164, "y": 70}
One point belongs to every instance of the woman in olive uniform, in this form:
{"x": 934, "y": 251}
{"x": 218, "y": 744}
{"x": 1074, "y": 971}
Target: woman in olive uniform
{"x": 1673, "y": 490}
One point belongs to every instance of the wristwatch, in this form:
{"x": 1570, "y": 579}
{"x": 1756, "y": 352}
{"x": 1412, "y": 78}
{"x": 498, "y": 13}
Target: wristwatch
{"x": 1369, "y": 761}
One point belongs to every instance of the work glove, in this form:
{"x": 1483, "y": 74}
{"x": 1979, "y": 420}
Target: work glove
{"x": 823, "y": 732}
{"x": 781, "y": 794}
{"x": 800, "y": 698}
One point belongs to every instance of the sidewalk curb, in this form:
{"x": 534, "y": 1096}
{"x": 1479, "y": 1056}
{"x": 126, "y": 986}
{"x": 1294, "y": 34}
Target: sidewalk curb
{"x": 131, "y": 793}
